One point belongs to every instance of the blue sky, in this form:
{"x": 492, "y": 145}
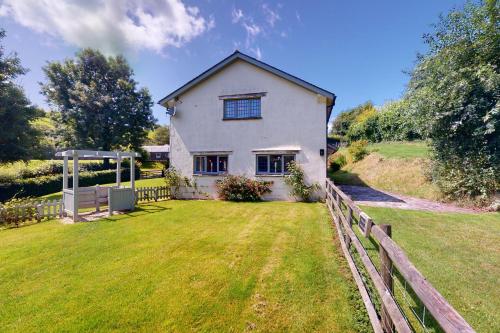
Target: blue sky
{"x": 357, "y": 49}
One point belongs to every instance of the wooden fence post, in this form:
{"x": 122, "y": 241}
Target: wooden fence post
{"x": 97, "y": 203}
{"x": 386, "y": 274}
{"x": 156, "y": 194}
{"x": 349, "y": 215}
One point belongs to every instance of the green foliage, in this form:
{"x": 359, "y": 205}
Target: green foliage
{"x": 395, "y": 121}
{"x": 336, "y": 161}
{"x": 11, "y": 171}
{"x": 9, "y": 216}
{"x": 357, "y": 150}
{"x": 98, "y": 102}
{"x": 455, "y": 87}
{"x": 35, "y": 187}
{"x": 173, "y": 180}
{"x": 296, "y": 180}
{"x": 159, "y": 136}
{"x": 241, "y": 188}
{"x": 345, "y": 119}
{"x": 18, "y": 137}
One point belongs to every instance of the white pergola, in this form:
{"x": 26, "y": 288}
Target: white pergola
{"x": 76, "y": 155}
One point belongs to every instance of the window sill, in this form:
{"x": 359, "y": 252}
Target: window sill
{"x": 247, "y": 118}
{"x": 270, "y": 175}
{"x": 209, "y": 174}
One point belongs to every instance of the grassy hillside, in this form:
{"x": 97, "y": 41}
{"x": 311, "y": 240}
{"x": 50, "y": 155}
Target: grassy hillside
{"x": 392, "y": 166}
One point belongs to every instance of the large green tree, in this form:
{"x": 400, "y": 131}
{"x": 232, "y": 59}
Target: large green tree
{"x": 456, "y": 88}
{"x": 18, "y": 136}
{"x": 98, "y": 103}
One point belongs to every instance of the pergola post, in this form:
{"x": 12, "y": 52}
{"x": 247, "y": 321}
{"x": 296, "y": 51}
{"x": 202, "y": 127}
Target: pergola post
{"x": 75, "y": 186}
{"x": 118, "y": 171}
{"x": 132, "y": 173}
{"x": 65, "y": 173}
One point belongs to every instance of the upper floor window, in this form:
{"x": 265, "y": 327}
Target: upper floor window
{"x": 242, "y": 108}
{"x": 210, "y": 164}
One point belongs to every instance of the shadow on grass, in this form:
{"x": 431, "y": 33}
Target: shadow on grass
{"x": 346, "y": 177}
{"x": 358, "y": 193}
{"x": 143, "y": 209}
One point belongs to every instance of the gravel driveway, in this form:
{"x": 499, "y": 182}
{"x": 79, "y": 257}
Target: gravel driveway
{"x": 369, "y": 196}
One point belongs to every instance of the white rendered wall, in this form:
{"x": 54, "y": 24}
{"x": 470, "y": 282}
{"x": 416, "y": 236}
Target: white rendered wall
{"x": 291, "y": 116}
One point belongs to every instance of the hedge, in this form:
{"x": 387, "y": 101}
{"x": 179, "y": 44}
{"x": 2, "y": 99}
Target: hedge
{"x": 35, "y": 187}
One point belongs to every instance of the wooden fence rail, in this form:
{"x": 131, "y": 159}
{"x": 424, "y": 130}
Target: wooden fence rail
{"x": 391, "y": 318}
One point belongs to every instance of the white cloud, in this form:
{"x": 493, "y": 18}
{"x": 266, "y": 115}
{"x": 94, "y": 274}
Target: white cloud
{"x": 252, "y": 29}
{"x": 237, "y": 15}
{"x": 271, "y": 15}
{"x": 257, "y": 52}
{"x": 111, "y": 26}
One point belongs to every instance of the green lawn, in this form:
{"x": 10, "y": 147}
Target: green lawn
{"x": 414, "y": 149}
{"x": 180, "y": 266}
{"x": 458, "y": 253}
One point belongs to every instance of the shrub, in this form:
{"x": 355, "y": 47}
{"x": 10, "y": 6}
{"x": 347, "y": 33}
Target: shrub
{"x": 296, "y": 181}
{"x": 9, "y": 216}
{"x": 336, "y": 161}
{"x": 241, "y": 188}
{"x": 50, "y": 184}
{"x": 357, "y": 150}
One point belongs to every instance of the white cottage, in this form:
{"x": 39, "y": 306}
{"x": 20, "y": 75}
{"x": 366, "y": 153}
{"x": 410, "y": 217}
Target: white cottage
{"x": 245, "y": 117}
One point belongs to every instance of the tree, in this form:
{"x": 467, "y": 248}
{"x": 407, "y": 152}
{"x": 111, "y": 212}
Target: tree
{"x": 346, "y": 118}
{"x": 17, "y": 134}
{"x": 98, "y": 102}
{"x": 456, "y": 88}
{"x": 159, "y": 136}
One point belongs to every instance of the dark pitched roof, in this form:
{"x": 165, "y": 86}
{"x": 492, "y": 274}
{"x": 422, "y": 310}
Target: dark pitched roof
{"x": 238, "y": 55}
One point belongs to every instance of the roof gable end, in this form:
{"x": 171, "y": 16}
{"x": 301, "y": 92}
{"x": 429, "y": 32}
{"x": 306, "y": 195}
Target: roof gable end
{"x": 241, "y": 56}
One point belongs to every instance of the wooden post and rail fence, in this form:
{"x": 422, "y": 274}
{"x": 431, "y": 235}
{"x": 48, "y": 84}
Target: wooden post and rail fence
{"x": 394, "y": 267}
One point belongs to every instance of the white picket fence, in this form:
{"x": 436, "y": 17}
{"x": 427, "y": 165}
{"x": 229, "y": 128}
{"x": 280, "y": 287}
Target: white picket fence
{"x": 39, "y": 210}
{"x": 152, "y": 193}
{"x": 31, "y": 211}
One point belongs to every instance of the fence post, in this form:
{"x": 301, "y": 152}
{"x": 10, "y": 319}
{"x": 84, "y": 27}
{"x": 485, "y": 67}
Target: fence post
{"x": 349, "y": 215}
{"x": 110, "y": 201}
{"x": 368, "y": 227}
{"x": 386, "y": 274}
{"x": 38, "y": 214}
{"x": 97, "y": 203}
{"x": 156, "y": 194}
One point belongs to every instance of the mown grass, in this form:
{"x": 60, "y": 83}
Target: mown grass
{"x": 180, "y": 266}
{"x": 414, "y": 149}
{"x": 398, "y": 167}
{"x": 458, "y": 253}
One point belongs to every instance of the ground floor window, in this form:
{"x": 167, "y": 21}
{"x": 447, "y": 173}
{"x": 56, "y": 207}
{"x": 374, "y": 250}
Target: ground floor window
{"x": 210, "y": 164}
{"x": 273, "y": 164}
